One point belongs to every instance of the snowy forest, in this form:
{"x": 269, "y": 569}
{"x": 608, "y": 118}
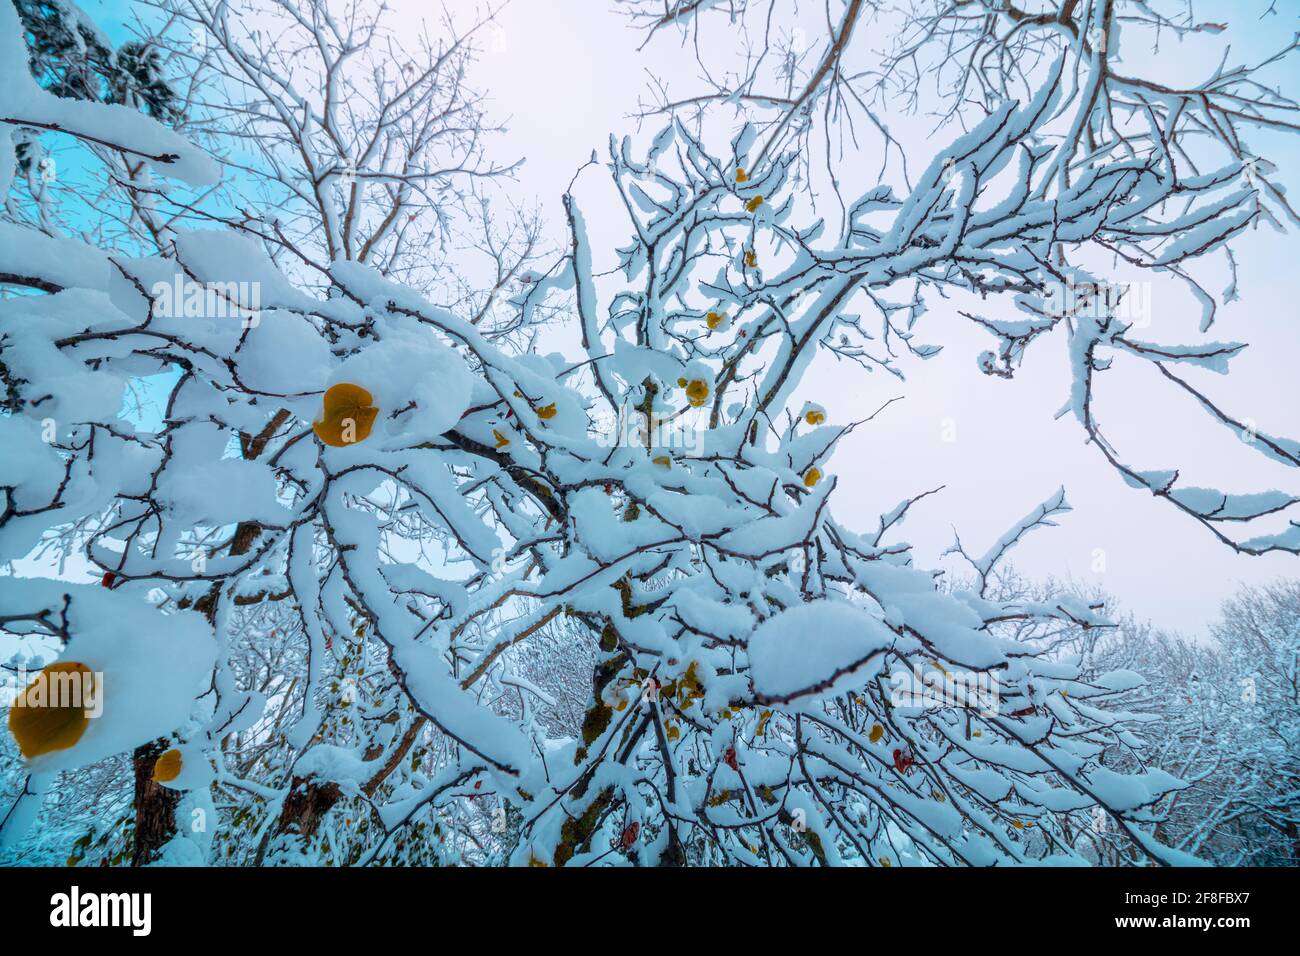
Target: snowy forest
{"x": 361, "y": 507}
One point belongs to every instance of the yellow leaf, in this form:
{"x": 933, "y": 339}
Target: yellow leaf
{"x": 546, "y": 412}
{"x": 741, "y": 175}
{"x": 751, "y": 258}
{"x": 876, "y": 733}
{"x": 347, "y": 417}
{"x": 697, "y": 392}
{"x": 1017, "y": 824}
{"x": 815, "y": 416}
{"x": 168, "y": 766}
{"x": 714, "y": 319}
{"x": 811, "y": 477}
{"x": 51, "y": 713}
{"x": 691, "y": 682}
{"x": 502, "y": 440}
{"x": 884, "y": 861}
{"x": 753, "y": 204}
{"x": 674, "y": 732}
{"x": 663, "y": 460}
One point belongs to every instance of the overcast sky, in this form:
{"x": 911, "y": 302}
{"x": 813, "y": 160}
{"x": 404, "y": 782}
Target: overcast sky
{"x": 564, "y": 74}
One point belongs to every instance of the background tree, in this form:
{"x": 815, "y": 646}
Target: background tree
{"x": 344, "y": 139}
{"x": 1237, "y": 715}
{"x": 72, "y": 58}
{"x": 1220, "y": 714}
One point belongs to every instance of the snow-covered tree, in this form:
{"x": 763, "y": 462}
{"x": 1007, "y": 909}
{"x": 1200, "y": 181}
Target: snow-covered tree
{"x": 70, "y": 57}
{"x": 1221, "y": 713}
{"x": 345, "y": 137}
{"x": 1260, "y": 810}
{"x": 1230, "y": 727}
{"x": 325, "y": 569}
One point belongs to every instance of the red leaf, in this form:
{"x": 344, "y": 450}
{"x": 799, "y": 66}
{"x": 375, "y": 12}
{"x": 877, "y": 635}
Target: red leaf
{"x": 108, "y": 579}
{"x": 630, "y": 834}
{"x": 1023, "y": 711}
{"x": 730, "y": 759}
{"x": 903, "y": 760}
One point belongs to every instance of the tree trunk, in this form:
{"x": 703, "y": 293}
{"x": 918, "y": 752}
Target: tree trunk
{"x": 155, "y": 806}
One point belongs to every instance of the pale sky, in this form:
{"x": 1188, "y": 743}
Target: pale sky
{"x": 564, "y": 74}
